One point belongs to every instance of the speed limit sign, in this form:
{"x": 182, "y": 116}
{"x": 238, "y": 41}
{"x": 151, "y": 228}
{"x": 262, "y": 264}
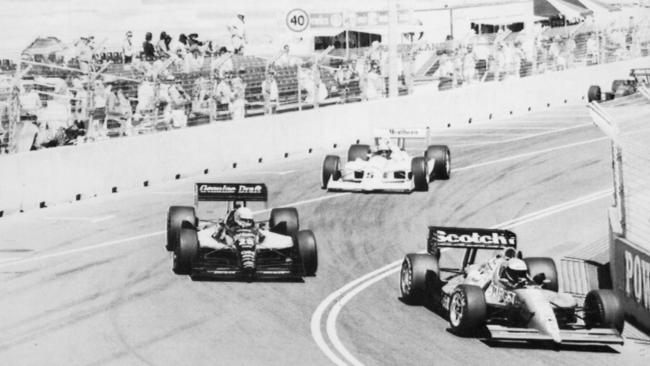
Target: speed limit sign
{"x": 297, "y": 20}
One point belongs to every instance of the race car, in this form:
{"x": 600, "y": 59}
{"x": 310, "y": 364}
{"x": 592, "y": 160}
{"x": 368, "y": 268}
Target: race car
{"x": 388, "y": 167}
{"x": 513, "y": 298}
{"x": 620, "y": 87}
{"x": 237, "y": 246}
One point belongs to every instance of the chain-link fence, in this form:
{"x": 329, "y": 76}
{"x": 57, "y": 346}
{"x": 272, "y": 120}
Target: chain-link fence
{"x": 49, "y": 101}
{"x": 631, "y": 165}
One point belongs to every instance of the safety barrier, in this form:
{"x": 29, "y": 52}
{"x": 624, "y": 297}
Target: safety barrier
{"x": 48, "y": 177}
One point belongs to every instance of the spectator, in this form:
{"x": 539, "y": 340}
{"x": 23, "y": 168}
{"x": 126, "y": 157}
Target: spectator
{"x": 238, "y": 105}
{"x": 118, "y": 108}
{"x": 592, "y": 49}
{"x": 445, "y": 72}
{"x": 223, "y": 63}
{"x": 270, "y": 93}
{"x": 30, "y": 101}
{"x": 127, "y": 48}
{"x": 284, "y": 59}
{"x": 469, "y": 66}
{"x": 343, "y": 77}
{"x": 237, "y": 31}
{"x": 222, "y": 95}
{"x": 162, "y": 50}
{"x": 481, "y": 55}
{"x": 148, "y": 48}
{"x": 374, "y": 84}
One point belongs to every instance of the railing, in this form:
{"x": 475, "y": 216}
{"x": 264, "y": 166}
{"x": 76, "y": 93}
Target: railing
{"x": 80, "y": 102}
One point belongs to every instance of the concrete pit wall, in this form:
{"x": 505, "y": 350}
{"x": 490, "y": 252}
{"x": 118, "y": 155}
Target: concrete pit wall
{"x": 65, "y": 174}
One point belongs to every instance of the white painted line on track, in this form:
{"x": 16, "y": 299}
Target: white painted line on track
{"x": 526, "y": 137}
{"x": 79, "y": 218}
{"x": 339, "y": 298}
{"x": 82, "y": 249}
{"x": 532, "y": 153}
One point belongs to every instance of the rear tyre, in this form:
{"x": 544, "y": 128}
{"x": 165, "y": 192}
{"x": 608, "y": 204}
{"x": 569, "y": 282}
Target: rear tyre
{"x": 186, "y": 250}
{"x": 306, "y": 242}
{"x": 418, "y": 278}
{"x": 441, "y": 161}
{"x": 357, "y": 151}
{"x": 594, "y": 94}
{"x": 175, "y": 217}
{"x": 284, "y": 221}
{"x": 541, "y": 268}
{"x": 419, "y": 171}
{"x": 467, "y": 309}
{"x": 603, "y": 309}
{"x": 331, "y": 168}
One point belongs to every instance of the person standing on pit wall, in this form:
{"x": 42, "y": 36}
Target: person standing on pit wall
{"x": 270, "y": 93}
{"x": 148, "y": 48}
{"x": 161, "y": 49}
{"x": 469, "y": 66}
{"x": 237, "y": 31}
{"x": 128, "y": 49}
{"x": 481, "y": 55}
{"x": 238, "y": 104}
{"x": 223, "y": 96}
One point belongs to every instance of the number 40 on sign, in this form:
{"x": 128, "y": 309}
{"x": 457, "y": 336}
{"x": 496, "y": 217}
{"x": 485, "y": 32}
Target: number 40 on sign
{"x": 297, "y": 20}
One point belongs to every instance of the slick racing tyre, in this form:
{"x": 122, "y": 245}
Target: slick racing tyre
{"x": 540, "y": 269}
{"x": 418, "y": 278}
{"x": 467, "y": 309}
{"x": 306, "y": 242}
{"x": 358, "y": 152}
{"x": 331, "y": 168}
{"x": 175, "y": 217}
{"x": 594, "y": 94}
{"x": 439, "y": 157}
{"x": 603, "y": 309}
{"x": 284, "y": 221}
{"x": 419, "y": 171}
{"x": 186, "y": 250}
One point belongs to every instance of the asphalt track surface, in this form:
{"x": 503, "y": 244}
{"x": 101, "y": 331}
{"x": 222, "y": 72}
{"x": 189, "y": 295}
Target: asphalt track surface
{"x": 90, "y": 283}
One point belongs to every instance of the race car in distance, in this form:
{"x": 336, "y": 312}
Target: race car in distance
{"x": 237, "y": 246}
{"x": 620, "y": 87}
{"x": 389, "y": 167}
{"x": 513, "y": 298}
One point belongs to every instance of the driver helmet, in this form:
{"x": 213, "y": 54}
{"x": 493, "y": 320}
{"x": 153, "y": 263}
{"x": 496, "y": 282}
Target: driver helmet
{"x": 244, "y": 218}
{"x": 383, "y": 147}
{"x": 515, "y": 271}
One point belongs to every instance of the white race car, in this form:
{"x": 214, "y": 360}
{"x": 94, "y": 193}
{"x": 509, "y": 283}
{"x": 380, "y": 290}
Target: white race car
{"x": 388, "y": 167}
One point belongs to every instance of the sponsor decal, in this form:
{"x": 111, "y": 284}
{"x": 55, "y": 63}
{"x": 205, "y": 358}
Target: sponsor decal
{"x": 230, "y": 189}
{"x": 637, "y": 278}
{"x": 403, "y": 132}
{"x": 495, "y": 238}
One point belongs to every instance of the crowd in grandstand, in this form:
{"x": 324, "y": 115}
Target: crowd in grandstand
{"x": 87, "y": 93}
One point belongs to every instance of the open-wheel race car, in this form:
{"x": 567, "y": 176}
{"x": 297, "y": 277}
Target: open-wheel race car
{"x": 387, "y": 167}
{"x": 511, "y": 297}
{"x": 620, "y": 87}
{"x": 237, "y": 246}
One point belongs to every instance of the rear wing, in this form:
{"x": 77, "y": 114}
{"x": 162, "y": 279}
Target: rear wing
{"x": 401, "y": 134}
{"x": 469, "y": 238}
{"x": 229, "y": 192}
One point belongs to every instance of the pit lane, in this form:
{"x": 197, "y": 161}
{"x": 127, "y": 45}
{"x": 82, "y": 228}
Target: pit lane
{"x": 91, "y": 284}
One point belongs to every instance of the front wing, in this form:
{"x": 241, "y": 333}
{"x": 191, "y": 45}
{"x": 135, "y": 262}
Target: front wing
{"x": 573, "y": 336}
{"x": 371, "y": 185}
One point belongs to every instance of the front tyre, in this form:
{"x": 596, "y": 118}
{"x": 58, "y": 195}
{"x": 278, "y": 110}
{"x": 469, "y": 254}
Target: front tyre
{"x": 331, "y": 168}
{"x": 175, "y": 217}
{"x": 467, "y": 309}
{"x": 186, "y": 251}
{"x": 306, "y": 242}
{"x": 594, "y": 94}
{"x": 419, "y": 171}
{"x": 603, "y": 309}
